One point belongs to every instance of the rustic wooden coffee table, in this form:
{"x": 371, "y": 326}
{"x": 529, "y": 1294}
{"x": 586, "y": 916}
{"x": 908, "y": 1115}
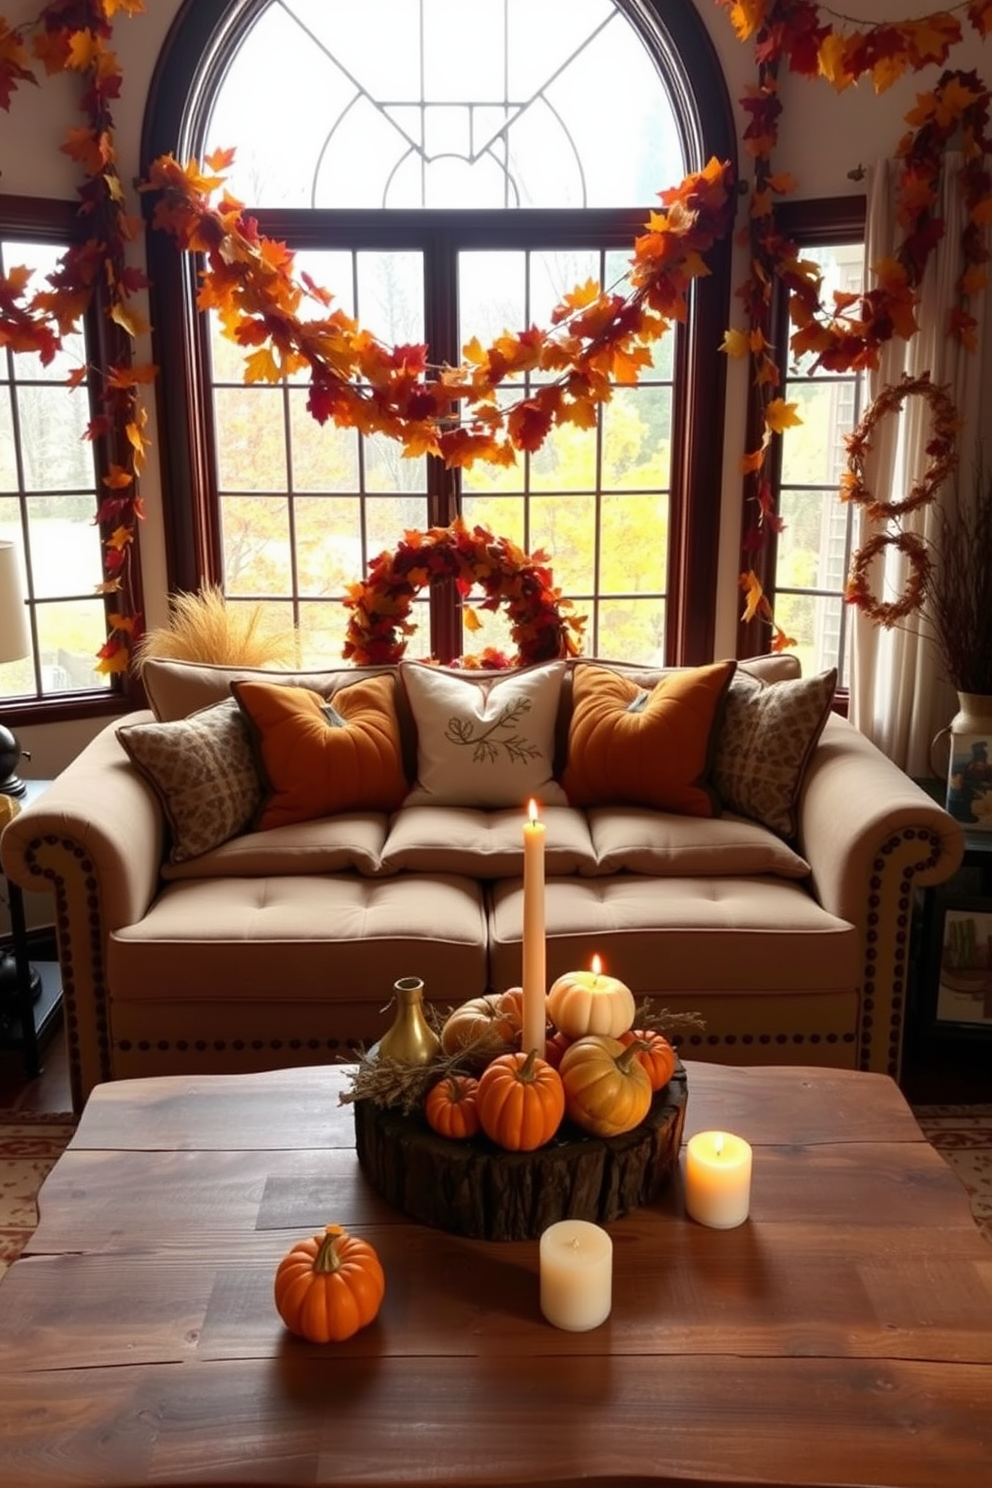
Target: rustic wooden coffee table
{"x": 843, "y": 1335}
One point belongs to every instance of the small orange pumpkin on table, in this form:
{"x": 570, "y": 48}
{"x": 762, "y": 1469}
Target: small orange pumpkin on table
{"x": 658, "y": 1057}
{"x": 451, "y": 1107}
{"x": 328, "y": 1286}
{"x": 521, "y": 1101}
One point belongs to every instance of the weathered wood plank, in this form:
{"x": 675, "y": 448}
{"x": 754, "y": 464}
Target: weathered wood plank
{"x": 307, "y": 1417}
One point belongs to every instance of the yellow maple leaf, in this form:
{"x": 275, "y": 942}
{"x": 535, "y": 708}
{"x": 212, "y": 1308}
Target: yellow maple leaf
{"x": 888, "y": 70}
{"x": 129, "y": 320}
{"x": 736, "y": 343}
{"x": 118, "y": 662}
{"x": 261, "y": 366}
{"x": 832, "y": 61}
{"x": 119, "y": 538}
{"x": 780, "y": 415}
{"x": 470, "y": 618}
{"x": 753, "y": 594}
{"x": 746, "y": 16}
{"x": 118, "y": 479}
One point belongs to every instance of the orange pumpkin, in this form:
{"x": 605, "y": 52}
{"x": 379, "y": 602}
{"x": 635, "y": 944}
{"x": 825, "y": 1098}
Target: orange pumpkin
{"x": 607, "y": 1091}
{"x": 482, "y": 1024}
{"x": 555, "y": 1048}
{"x": 658, "y": 1057}
{"x": 520, "y": 1101}
{"x": 328, "y": 1286}
{"x": 450, "y": 1107}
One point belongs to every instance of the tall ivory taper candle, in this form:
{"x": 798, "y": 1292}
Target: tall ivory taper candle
{"x": 534, "y": 980}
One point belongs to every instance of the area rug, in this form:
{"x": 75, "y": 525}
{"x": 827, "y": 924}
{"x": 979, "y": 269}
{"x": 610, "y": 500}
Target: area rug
{"x": 31, "y": 1144}
{"x": 963, "y": 1137}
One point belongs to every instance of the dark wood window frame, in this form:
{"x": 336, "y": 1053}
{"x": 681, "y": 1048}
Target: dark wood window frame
{"x": 820, "y": 220}
{"x": 203, "y": 28}
{"x": 48, "y": 220}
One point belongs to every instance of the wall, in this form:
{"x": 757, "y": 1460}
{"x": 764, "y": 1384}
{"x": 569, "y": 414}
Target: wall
{"x": 823, "y": 137}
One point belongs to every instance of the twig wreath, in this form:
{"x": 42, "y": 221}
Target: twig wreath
{"x": 942, "y": 450}
{"x": 940, "y": 446}
{"x": 858, "y": 592}
{"x": 540, "y": 628}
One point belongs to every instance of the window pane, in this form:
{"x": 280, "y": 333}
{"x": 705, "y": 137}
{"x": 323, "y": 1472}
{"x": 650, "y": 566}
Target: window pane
{"x": 813, "y": 551}
{"x": 251, "y": 439}
{"x": 47, "y": 467}
{"x": 69, "y": 636}
{"x": 256, "y": 545}
{"x": 475, "y": 103}
{"x": 328, "y": 544}
{"x": 54, "y": 453}
{"x": 66, "y": 557}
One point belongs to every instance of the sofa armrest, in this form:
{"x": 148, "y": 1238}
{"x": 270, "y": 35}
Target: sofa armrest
{"x": 95, "y": 840}
{"x": 872, "y": 837}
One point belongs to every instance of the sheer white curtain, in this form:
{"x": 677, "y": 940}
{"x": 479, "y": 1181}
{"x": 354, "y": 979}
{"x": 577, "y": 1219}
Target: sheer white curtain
{"x": 899, "y": 695}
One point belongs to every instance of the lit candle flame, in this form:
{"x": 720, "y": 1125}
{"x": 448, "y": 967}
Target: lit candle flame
{"x": 532, "y": 812}
{"x": 718, "y": 1144}
{"x": 596, "y": 965}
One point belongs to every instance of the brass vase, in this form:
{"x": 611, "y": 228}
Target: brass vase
{"x": 410, "y": 1040}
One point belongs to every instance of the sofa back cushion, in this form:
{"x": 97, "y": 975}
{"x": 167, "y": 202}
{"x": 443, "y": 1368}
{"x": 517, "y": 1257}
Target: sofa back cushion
{"x": 648, "y": 746}
{"x": 765, "y": 744}
{"x": 318, "y": 756}
{"x": 203, "y": 771}
{"x": 485, "y": 741}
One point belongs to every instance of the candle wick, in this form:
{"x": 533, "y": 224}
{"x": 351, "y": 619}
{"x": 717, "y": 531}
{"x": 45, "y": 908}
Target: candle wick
{"x": 575, "y": 1244}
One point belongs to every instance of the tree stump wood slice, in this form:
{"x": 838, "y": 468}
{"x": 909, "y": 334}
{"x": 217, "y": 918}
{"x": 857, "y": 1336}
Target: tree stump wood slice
{"x": 475, "y": 1188}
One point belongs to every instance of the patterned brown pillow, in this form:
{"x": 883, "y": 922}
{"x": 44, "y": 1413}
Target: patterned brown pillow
{"x": 203, "y": 771}
{"x": 768, "y": 736}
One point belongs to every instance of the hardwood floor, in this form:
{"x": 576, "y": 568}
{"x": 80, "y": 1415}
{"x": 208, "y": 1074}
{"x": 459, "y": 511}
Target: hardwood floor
{"x": 50, "y": 1091}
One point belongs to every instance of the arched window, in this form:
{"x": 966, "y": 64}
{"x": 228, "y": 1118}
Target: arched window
{"x": 447, "y": 169}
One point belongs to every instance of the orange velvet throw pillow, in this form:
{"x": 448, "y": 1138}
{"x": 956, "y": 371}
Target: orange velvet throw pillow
{"x": 323, "y": 755}
{"x": 645, "y": 746}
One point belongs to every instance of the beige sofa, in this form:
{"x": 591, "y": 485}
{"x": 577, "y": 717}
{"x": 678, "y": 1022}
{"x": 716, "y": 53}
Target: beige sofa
{"x": 281, "y": 946}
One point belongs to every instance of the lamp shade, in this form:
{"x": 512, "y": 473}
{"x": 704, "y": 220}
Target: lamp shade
{"x": 15, "y": 634}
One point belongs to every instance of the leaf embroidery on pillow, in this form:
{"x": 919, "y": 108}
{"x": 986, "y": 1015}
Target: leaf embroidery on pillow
{"x": 487, "y": 746}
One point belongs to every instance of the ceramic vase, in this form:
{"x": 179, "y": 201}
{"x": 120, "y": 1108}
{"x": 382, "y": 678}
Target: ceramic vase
{"x": 969, "y": 769}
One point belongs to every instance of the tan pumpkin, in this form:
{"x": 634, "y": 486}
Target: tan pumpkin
{"x": 607, "y": 1090}
{"x": 450, "y": 1107}
{"x": 328, "y": 1286}
{"x": 482, "y": 1025}
{"x": 658, "y": 1057}
{"x": 584, "y": 1002}
{"x": 520, "y": 1101}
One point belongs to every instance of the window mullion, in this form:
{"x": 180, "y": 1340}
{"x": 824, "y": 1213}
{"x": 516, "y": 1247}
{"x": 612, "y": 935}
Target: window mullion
{"x": 443, "y": 485}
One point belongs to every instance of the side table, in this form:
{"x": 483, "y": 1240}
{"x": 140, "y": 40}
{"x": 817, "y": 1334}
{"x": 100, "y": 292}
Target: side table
{"x": 24, "y": 1003}
{"x": 944, "y": 1058}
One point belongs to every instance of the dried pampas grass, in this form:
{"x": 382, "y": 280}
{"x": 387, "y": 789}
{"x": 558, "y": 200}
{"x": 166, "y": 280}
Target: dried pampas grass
{"x": 205, "y": 627}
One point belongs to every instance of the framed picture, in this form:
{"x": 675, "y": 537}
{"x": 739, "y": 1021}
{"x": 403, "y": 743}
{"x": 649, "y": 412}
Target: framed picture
{"x": 964, "y": 962}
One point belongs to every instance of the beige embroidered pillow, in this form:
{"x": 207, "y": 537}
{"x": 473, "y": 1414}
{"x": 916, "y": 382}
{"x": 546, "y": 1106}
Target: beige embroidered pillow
{"x": 768, "y": 736}
{"x": 203, "y": 771}
{"x": 487, "y": 742}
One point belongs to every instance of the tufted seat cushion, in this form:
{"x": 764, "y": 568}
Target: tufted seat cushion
{"x": 291, "y": 939}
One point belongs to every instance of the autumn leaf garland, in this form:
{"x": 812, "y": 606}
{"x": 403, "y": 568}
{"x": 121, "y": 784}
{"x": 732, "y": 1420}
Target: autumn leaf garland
{"x": 848, "y": 334}
{"x": 597, "y": 337}
{"x": 74, "y": 37}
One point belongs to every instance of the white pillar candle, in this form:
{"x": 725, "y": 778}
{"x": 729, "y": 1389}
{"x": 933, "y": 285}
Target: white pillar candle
{"x": 717, "y": 1179}
{"x": 576, "y": 1275}
{"x": 533, "y": 951}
